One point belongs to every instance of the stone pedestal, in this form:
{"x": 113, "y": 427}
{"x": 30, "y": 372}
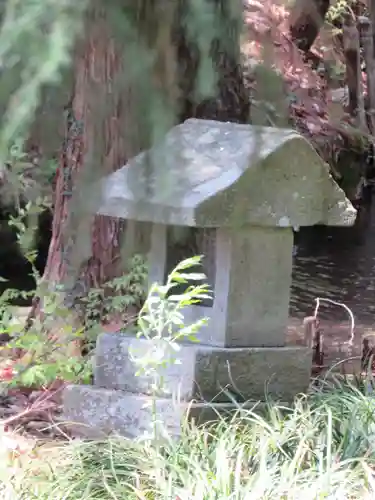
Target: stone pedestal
{"x": 94, "y": 412}
{"x": 204, "y": 372}
{"x": 239, "y": 190}
{"x": 240, "y": 356}
{"x": 206, "y": 380}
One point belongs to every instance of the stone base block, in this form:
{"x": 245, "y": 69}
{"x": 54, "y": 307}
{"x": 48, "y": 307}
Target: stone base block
{"x": 94, "y": 413}
{"x": 205, "y": 372}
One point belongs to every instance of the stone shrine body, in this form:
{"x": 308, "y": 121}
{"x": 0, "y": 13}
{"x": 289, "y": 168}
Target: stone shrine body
{"x": 238, "y": 191}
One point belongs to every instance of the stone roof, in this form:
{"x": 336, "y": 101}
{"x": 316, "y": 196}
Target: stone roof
{"x": 214, "y": 174}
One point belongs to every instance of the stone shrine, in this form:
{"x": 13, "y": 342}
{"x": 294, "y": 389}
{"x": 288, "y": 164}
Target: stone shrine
{"x": 238, "y": 191}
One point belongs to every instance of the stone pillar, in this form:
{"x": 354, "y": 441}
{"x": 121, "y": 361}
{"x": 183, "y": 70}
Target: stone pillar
{"x": 251, "y": 287}
{"x": 137, "y": 240}
{"x": 158, "y": 254}
{"x": 259, "y": 286}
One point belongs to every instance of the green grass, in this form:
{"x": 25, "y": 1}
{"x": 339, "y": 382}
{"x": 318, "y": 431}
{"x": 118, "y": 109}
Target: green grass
{"x": 321, "y": 448}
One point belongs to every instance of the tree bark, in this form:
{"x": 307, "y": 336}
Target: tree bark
{"x": 90, "y": 139}
{"x": 227, "y": 98}
{"x": 306, "y": 20}
{"x": 371, "y": 11}
{"x": 353, "y": 71}
{"x": 101, "y": 134}
{"x": 366, "y": 38}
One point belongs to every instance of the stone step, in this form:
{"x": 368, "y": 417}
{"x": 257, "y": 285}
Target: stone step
{"x": 204, "y": 372}
{"x": 93, "y": 412}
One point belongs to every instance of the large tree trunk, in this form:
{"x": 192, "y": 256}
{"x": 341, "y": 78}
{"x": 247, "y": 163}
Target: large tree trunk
{"x": 306, "y": 20}
{"x": 113, "y": 118}
{"x": 353, "y": 71}
{"x": 101, "y": 134}
{"x": 367, "y": 43}
{"x": 228, "y": 99}
{"x": 96, "y": 65}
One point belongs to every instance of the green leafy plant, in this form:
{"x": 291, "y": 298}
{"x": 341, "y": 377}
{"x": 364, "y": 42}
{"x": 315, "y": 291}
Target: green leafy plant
{"x": 338, "y": 9}
{"x": 115, "y": 297}
{"x": 47, "y": 359}
{"x": 161, "y": 322}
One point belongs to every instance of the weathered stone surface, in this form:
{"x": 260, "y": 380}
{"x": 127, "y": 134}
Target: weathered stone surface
{"x": 93, "y": 413}
{"x": 204, "y": 372}
{"x": 215, "y": 174}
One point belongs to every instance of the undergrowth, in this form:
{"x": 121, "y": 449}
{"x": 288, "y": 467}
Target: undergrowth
{"x": 322, "y": 447}
{"x": 48, "y": 358}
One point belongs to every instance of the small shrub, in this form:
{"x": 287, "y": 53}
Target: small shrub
{"x": 115, "y": 297}
{"x": 48, "y": 360}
